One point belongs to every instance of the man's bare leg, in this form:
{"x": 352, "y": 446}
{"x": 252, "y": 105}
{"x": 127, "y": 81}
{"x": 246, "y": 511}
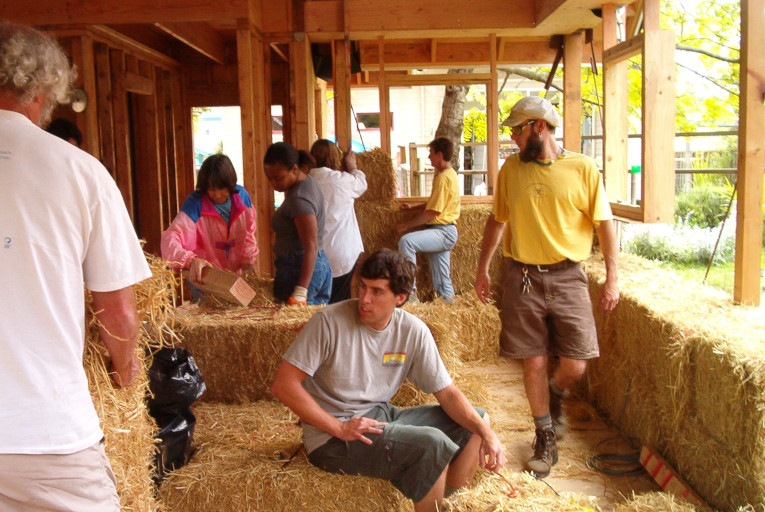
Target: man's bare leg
{"x": 536, "y": 385}
{"x": 432, "y": 500}
{"x": 461, "y": 470}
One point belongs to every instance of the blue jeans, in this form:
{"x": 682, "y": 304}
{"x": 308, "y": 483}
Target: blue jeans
{"x": 288, "y": 273}
{"x": 436, "y": 241}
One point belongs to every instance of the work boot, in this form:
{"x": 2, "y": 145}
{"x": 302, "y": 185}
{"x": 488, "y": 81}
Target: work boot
{"x": 560, "y": 423}
{"x": 545, "y": 453}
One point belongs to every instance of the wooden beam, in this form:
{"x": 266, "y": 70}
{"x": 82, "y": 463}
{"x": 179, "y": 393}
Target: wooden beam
{"x": 615, "y": 123}
{"x": 301, "y": 93}
{"x": 492, "y": 116}
{"x": 118, "y": 40}
{"x": 625, "y": 50}
{"x": 199, "y": 36}
{"x": 342, "y": 86}
{"x": 651, "y": 15}
{"x": 368, "y": 20}
{"x": 455, "y": 79}
{"x": 572, "y": 92}
{"x": 658, "y": 162}
{"x": 751, "y": 155}
{"x": 56, "y": 12}
{"x": 123, "y": 160}
{"x": 82, "y": 56}
{"x": 138, "y": 84}
{"x": 320, "y": 104}
{"x": 384, "y": 100}
{"x": 104, "y": 104}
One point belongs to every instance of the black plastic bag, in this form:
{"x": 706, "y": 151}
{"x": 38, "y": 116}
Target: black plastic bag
{"x": 176, "y": 435}
{"x": 174, "y": 380}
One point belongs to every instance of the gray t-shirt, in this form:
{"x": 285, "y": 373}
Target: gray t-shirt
{"x": 352, "y": 367}
{"x": 304, "y": 198}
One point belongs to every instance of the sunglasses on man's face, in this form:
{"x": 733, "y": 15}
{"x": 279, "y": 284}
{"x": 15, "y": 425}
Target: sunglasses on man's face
{"x": 516, "y": 130}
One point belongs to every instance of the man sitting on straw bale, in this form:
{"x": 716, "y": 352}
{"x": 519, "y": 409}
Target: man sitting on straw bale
{"x": 551, "y": 200}
{"x": 347, "y": 363}
{"x": 63, "y": 222}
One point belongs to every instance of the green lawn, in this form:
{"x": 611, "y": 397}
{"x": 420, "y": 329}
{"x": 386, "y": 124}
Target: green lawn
{"x": 720, "y": 276}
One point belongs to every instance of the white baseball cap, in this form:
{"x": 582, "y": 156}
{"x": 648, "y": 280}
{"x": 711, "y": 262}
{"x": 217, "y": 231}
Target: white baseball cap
{"x": 532, "y": 107}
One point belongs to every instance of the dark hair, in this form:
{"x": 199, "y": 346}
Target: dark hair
{"x": 444, "y": 146}
{"x": 217, "y": 171}
{"x": 65, "y": 129}
{"x": 283, "y": 154}
{"x": 393, "y": 266}
{"x": 326, "y": 153}
{"x": 305, "y": 160}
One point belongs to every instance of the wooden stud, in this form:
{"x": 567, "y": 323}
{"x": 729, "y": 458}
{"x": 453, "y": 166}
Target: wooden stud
{"x": 104, "y": 104}
{"x": 162, "y": 152}
{"x": 572, "y": 92}
{"x": 199, "y": 36}
{"x": 87, "y": 122}
{"x": 384, "y": 100}
{"x": 320, "y": 105}
{"x": 492, "y": 116}
{"x": 122, "y": 144}
{"x": 341, "y": 85}
{"x": 184, "y": 145}
{"x": 301, "y": 93}
{"x": 651, "y": 15}
{"x": 751, "y": 155}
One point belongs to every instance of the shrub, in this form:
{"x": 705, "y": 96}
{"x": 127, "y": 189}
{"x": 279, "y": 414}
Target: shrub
{"x": 703, "y": 206}
{"x": 681, "y": 243}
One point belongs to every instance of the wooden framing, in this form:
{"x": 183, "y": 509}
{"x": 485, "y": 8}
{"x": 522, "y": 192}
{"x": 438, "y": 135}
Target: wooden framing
{"x": 751, "y": 156}
{"x": 341, "y": 72}
{"x": 384, "y": 100}
{"x": 302, "y": 113}
{"x": 492, "y": 117}
{"x": 572, "y": 88}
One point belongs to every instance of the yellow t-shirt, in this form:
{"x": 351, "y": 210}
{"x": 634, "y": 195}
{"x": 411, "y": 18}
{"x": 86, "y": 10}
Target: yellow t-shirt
{"x": 445, "y": 197}
{"x": 550, "y": 210}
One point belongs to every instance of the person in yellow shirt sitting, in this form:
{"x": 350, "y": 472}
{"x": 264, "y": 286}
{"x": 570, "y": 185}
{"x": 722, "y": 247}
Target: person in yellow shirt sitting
{"x": 438, "y": 215}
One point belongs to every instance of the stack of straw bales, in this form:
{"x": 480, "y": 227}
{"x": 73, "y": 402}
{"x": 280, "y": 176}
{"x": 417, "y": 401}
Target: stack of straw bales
{"x": 127, "y": 426}
{"x": 238, "y": 349}
{"x": 378, "y": 214}
{"x": 684, "y": 370}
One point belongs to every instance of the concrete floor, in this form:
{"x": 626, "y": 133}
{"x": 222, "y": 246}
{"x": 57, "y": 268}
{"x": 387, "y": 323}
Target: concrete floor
{"x": 512, "y": 421}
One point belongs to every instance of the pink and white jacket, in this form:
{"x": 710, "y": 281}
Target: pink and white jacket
{"x": 198, "y": 231}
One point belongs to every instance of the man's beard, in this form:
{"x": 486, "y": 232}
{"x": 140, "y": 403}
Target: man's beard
{"x": 533, "y": 148}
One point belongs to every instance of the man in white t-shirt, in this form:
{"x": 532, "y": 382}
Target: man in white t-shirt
{"x": 63, "y": 223}
{"x": 341, "y": 373}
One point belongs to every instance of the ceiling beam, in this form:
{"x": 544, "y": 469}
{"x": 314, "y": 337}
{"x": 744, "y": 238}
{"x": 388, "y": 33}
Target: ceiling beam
{"x": 58, "y": 12}
{"x": 199, "y": 36}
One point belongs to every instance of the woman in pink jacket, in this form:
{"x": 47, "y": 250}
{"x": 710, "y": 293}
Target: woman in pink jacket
{"x": 216, "y": 225}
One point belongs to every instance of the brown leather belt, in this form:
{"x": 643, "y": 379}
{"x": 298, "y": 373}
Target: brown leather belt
{"x": 561, "y": 265}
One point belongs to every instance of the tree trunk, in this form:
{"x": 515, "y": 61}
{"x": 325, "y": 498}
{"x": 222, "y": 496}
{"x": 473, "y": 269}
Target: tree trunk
{"x": 453, "y": 115}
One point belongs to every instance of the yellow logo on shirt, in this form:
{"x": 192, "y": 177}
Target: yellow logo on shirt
{"x": 394, "y": 358}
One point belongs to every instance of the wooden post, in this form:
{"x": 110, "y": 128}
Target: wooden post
{"x": 492, "y": 119}
{"x": 341, "y": 76}
{"x": 301, "y": 92}
{"x": 615, "y": 125}
{"x": 320, "y": 105}
{"x": 414, "y": 170}
{"x": 87, "y": 122}
{"x": 751, "y": 156}
{"x": 572, "y": 92}
{"x": 384, "y": 100}
{"x": 104, "y": 104}
{"x": 123, "y": 157}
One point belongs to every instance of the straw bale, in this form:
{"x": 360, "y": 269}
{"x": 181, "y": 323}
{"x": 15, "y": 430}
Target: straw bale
{"x": 653, "y": 501}
{"x": 381, "y": 177}
{"x": 243, "y": 462}
{"x": 691, "y": 369}
{"x": 127, "y": 426}
{"x": 239, "y": 349}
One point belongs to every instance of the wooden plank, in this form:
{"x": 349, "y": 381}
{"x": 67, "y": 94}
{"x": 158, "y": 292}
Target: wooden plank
{"x": 341, "y": 84}
{"x": 455, "y": 79}
{"x": 658, "y": 168}
{"x": 87, "y": 121}
{"x": 301, "y": 93}
{"x": 615, "y": 123}
{"x": 751, "y": 155}
{"x": 492, "y": 116}
{"x": 148, "y": 189}
{"x": 199, "y": 36}
{"x": 572, "y": 92}
{"x": 625, "y": 50}
{"x": 320, "y": 104}
{"x": 104, "y": 104}
{"x": 123, "y": 158}
{"x": 651, "y": 15}
{"x": 224, "y": 285}
{"x": 184, "y": 146}
{"x": 130, "y": 46}
{"x": 390, "y": 16}
{"x": 384, "y": 100}
{"x": 90, "y": 12}
{"x": 138, "y": 84}
{"x": 162, "y": 141}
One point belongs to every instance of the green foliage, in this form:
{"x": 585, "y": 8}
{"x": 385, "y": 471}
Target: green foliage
{"x": 703, "y": 206}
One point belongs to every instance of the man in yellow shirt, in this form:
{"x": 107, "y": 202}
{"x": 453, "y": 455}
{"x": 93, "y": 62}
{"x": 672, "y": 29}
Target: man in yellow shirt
{"x": 439, "y": 216}
{"x": 550, "y": 200}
